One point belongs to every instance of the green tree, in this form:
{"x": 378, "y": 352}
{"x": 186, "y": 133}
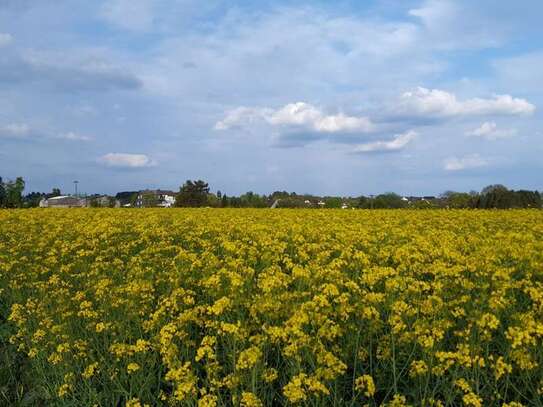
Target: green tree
{"x": 224, "y": 201}
{"x": 234, "y": 202}
{"x": 457, "y": 200}
{"x": 192, "y": 194}
{"x": 32, "y": 200}
{"x": 363, "y": 202}
{"x": 494, "y": 188}
{"x": 290, "y": 202}
{"x": 252, "y": 200}
{"x": 333, "y": 202}
{"x": 54, "y": 192}
{"x": 14, "y": 193}
{"x": 496, "y": 196}
{"x": 2, "y": 194}
{"x": 149, "y": 199}
{"x": 127, "y": 197}
{"x": 93, "y": 203}
{"x": 389, "y": 200}
{"x": 213, "y": 201}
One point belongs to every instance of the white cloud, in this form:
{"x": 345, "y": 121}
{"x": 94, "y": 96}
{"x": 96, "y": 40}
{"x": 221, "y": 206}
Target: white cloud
{"x": 490, "y": 131}
{"x": 78, "y": 70}
{"x": 123, "y": 160}
{"x": 74, "y": 136}
{"x": 15, "y": 130}
{"x": 250, "y": 57}
{"x": 24, "y": 131}
{"x": 432, "y": 12}
{"x": 306, "y": 115}
{"x": 296, "y": 115}
{"x": 5, "y": 39}
{"x": 439, "y": 103}
{"x": 134, "y": 15}
{"x": 449, "y": 25}
{"x": 464, "y": 163}
{"x": 399, "y": 142}
{"x": 242, "y": 116}
{"x": 420, "y": 102}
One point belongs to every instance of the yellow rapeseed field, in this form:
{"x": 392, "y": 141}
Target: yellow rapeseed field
{"x": 248, "y": 307}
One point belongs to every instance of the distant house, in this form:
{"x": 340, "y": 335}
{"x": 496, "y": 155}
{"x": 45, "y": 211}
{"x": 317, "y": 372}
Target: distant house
{"x": 160, "y": 198}
{"x": 63, "y": 201}
{"x": 126, "y": 198}
{"x": 104, "y": 201}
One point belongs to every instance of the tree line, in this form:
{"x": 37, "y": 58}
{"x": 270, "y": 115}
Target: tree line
{"x": 12, "y": 196}
{"x": 11, "y": 193}
{"x": 197, "y": 193}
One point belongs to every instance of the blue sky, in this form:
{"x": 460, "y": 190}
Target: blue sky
{"x": 343, "y": 98}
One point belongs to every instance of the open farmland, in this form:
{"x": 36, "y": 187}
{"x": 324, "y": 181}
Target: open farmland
{"x": 259, "y": 307}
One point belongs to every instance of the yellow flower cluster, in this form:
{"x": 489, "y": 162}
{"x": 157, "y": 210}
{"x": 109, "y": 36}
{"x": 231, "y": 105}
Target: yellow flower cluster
{"x": 249, "y": 307}
{"x": 365, "y": 383}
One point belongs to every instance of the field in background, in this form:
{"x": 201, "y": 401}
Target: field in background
{"x": 259, "y": 307}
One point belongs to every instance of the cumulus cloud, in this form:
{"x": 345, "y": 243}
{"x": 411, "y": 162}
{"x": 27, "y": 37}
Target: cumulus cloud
{"x": 250, "y": 55}
{"x": 464, "y": 163}
{"x": 73, "y": 136}
{"x": 15, "y": 130}
{"x": 437, "y": 103}
{"x": 124, "y": 160}
{"x": 490, "y": 131}
{"x": 5, "y": 39}
{"x": 298, "y": 116}
{"x": 242, "y": 116}
{"x": 399, "y": 142}
{"x": 307, "y": 115}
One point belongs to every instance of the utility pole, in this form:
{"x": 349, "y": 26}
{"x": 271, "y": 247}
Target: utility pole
{"x": 75, "y": 185}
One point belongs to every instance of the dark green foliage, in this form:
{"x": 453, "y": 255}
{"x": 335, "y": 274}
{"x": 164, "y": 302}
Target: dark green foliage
{"x": 32, "y": 200}
{"x": 149, "y": 200}
{"x": 363, "y": 202}
{"x": 127, "y": 197}
{"x": 499, "y": 197}
{"x": 291, "y": 203}
{"x": 457, "y": 200}
{"x": 389, "y": 200}
{"x": 197, "y": 194}
{"x": 13, "y": 193}
{"x": 193, "y": 194}
{"x": 252, "y": 200}
{"x": 2, "y": 194}
{"x": 54, "y": 192}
